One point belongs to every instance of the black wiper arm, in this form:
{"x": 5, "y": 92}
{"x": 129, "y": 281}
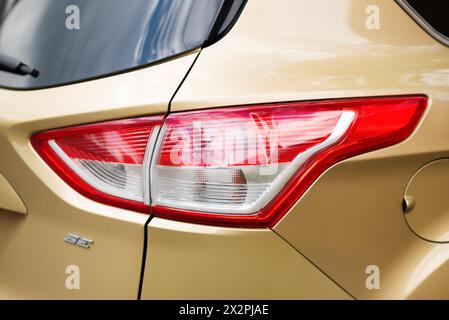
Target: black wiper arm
{"x": 13, "y": 65}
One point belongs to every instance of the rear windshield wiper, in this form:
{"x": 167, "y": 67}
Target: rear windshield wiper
{"x": 13, "y": 65}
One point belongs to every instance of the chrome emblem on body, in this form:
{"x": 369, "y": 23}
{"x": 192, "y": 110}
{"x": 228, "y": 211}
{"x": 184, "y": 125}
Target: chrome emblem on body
{"x": 78, "y": 241}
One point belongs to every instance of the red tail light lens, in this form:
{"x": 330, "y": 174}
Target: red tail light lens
{"x": 247, "y": 166}
{"x": 234, "y": 161}
{"x": 105, "y": 161}
{"x": 243, "y": 166}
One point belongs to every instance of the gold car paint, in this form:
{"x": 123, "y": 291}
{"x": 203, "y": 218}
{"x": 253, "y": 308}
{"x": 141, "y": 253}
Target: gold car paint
{"x": 188, "y": 261}
{"x": 33, "y": 255}
{"x": 351, "y": 218}
{"x": 9, "y": 199}
{"x": 428, "y": 213}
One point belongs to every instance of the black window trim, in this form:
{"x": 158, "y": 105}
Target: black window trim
{"x": 107, "y": 75}
{"x": 422, "y": 22}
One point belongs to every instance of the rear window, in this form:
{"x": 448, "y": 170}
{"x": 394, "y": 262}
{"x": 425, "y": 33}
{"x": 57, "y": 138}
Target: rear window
{"x": 432, "y": 13}
{"x": 68, "y": 41}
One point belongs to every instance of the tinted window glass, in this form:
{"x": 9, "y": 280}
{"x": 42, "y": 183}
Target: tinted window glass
{"x": 434, "y": 12}
{"x": 113, "y": 35}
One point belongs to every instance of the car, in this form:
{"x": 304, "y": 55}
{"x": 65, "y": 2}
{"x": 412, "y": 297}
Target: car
{"x": 224, "y": 149}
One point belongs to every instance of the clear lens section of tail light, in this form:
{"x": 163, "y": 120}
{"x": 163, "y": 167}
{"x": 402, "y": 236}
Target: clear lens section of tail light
{"x": 108, "y": 162}
{"x": 247, "y": 166}
{"x": 236, "y": 161}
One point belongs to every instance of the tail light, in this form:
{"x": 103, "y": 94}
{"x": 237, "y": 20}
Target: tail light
{"x": 107, "y": 162}
{"x": 241, "y": 166}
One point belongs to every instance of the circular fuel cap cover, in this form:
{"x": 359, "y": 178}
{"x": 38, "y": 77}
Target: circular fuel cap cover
{"x": 426, "y": 201}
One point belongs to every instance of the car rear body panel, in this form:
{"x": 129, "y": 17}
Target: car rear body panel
{"x": 33, "y": 254}
{"x": 188, "y": 261}
{"x": 351, "y": 218}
